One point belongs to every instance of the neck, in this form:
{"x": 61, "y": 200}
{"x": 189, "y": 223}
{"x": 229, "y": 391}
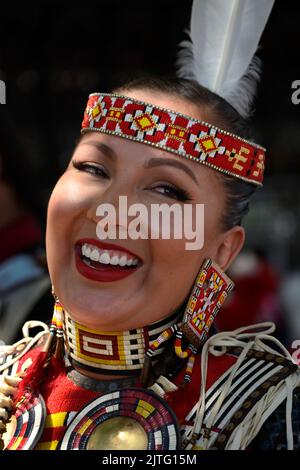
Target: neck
{"x": 111, "y": 355}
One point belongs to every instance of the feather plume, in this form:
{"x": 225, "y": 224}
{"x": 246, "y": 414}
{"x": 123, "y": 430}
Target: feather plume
{"x": 220, "y": 53}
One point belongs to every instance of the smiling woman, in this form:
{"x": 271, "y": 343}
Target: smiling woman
{"x": 132, "y": 360}
{"x": 74, "y": 204}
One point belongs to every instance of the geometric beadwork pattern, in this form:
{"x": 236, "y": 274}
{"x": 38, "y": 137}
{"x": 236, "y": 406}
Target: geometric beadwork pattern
{"x": 114, "y": 350}
{"x": 211, "y": 288}
{"x": 175, "y": 132}
{"x": 28, "y": 420}
{"x": 143, "y": 406}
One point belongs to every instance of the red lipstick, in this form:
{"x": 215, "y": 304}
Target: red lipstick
{"x": 100, "y": 272}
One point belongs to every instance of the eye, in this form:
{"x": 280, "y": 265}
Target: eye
{"x": 173, "y": 192}
{"x": 92, "y": 168}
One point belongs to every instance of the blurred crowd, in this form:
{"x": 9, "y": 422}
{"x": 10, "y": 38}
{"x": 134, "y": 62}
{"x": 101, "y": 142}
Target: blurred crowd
{"x": 25, "y": 292}
{"x": 261, "y": 295}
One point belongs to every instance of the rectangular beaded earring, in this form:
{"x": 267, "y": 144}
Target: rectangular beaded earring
{"x": 210, "y": 290}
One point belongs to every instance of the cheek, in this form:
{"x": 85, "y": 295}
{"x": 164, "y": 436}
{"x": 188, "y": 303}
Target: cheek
{"x": 210, "y": 228}
{"x": 173, "y": 272}
{"x": 70, "y": 199}
{"x": 177, "y": 265}
{"x": 197, "y": 235}
{"x": 174, "y": 264}
{"x": 65, "y": 209}
{"x": 60, "y": 208}
{"x": 213, "y": 210}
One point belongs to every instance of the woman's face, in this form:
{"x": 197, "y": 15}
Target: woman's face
{"x": 103, "y": 167}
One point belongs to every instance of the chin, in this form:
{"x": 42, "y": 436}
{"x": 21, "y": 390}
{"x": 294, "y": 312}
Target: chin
{"x": 89, "y": 314}
{"x": 98, "y": 322}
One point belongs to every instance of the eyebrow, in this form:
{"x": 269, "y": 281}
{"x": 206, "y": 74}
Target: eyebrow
{"x": 153, "y": 162}
{"x": 105, "y": 149}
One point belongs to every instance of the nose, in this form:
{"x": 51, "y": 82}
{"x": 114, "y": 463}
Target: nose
{"x": 112, "y": 204}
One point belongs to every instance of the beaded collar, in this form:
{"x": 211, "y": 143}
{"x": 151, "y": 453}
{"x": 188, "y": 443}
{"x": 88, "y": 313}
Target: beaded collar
{"x": 115, "y": 351}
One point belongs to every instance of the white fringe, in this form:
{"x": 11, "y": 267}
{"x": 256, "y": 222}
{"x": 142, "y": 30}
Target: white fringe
{"x": 27, "y": 339}
{"x": 247, "y": 338}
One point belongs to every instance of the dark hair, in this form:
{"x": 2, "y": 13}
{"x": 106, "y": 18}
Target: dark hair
{"x": 218, "y": 112}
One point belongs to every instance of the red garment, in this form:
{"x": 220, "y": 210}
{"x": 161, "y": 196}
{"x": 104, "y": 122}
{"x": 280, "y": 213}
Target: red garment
{"x": 63, "y": 397}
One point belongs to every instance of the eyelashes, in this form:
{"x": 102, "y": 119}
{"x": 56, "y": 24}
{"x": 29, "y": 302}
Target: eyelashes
{"x": 167, "y": 190}
{"x": 91, "y": 168}
{"x": 174, "y": 192}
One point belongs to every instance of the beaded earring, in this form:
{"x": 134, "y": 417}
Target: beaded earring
{"x": 56, "y": 328}
{"x": 209, "y": 291}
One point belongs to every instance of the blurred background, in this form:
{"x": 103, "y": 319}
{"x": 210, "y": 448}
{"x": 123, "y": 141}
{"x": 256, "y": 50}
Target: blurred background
{"x": 52, "y": 55}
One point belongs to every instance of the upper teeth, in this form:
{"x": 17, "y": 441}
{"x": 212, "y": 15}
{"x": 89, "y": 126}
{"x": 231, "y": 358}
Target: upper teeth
{"x": 107, "y": 256}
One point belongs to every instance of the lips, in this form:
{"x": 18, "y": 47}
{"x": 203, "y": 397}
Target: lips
{"x": 104, "y": 262}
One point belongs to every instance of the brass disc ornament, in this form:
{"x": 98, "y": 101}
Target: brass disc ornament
{"x": 128, "y": 419}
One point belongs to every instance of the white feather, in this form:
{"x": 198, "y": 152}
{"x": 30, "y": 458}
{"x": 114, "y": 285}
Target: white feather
{"x": 224, "y": 37}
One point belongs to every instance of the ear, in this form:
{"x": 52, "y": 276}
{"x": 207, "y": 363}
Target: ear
{"x": 229, "y": 245}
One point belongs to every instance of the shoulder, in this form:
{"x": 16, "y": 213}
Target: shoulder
{"x": 240, "y": 388}
{"x": 256, "y": 366}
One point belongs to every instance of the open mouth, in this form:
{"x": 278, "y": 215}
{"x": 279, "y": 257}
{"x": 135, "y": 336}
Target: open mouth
{"x": 98, "y": 258}
{"x": 104, "y": 262}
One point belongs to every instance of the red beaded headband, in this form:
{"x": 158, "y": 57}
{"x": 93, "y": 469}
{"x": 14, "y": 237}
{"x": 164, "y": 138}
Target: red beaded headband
{"x": 176, "y": 133}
